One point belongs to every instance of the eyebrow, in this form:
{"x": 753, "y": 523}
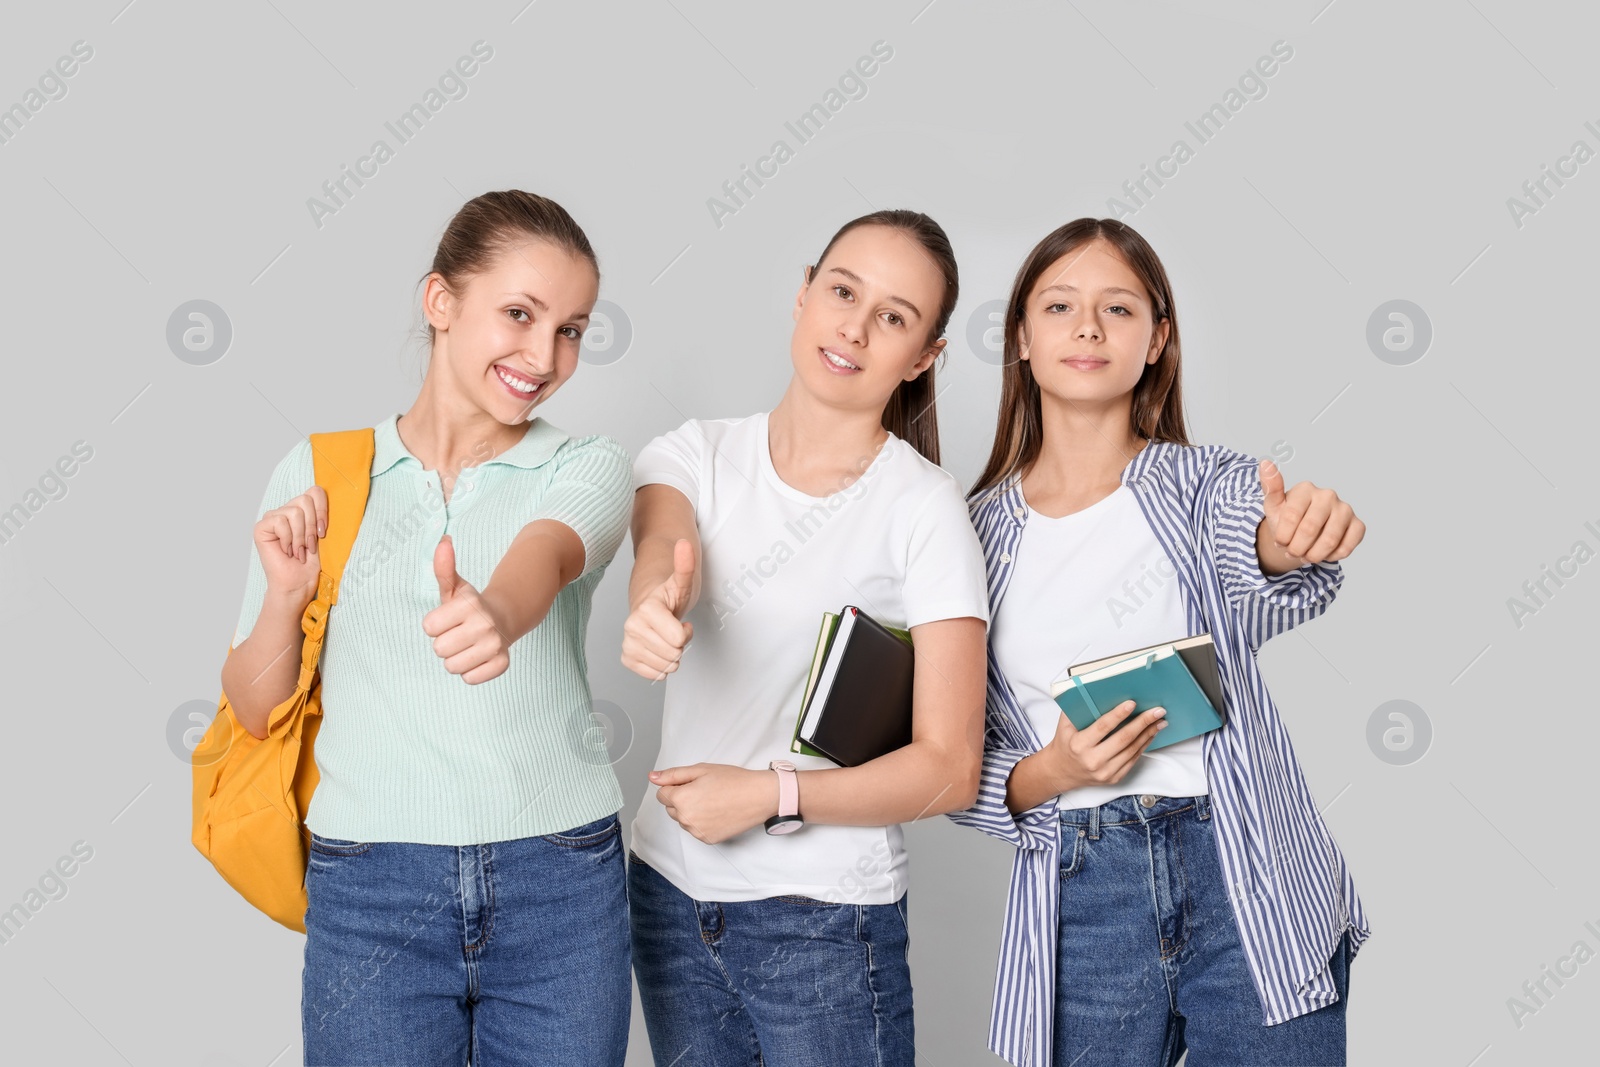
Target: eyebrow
{"x": 902, "y": 301}
{"x": 535, "y": 301}
{"x": 1074, "y": 289}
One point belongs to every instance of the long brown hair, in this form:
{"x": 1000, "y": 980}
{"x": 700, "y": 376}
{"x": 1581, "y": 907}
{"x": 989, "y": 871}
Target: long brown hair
{"x": 910, "y": 413}
{"x": 1157, "y": 413}
{"x": 488, "y": 224}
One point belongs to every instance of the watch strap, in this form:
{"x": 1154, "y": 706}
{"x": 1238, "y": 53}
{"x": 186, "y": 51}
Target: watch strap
{"x": 788, "y": 787}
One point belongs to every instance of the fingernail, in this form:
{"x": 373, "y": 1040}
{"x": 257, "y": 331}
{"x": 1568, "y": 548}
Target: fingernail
{"x": 1161, "y": 726}
{"x": 1158, "y": 712}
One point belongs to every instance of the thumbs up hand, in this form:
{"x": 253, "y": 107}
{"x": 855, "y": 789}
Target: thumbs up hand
{"x": 654, "y": 636}
{"x": 1306, "y": 524}
{"x": 465, "y": 633}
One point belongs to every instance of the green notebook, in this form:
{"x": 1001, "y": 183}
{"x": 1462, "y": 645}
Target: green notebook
{"x": 819, "y": 657}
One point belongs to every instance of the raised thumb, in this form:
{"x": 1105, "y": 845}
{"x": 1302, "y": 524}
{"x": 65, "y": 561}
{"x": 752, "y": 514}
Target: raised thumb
{"x": 681, "y": 584}
{"x": 1271, "y": 485}
{"x": 444, "y": 568}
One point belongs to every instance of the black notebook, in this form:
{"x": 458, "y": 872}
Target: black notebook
{"x": 858, "y": 698}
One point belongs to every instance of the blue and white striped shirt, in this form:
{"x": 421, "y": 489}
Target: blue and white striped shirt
{"x": 1291, "y": 892}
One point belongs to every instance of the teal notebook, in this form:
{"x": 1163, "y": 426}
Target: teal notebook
{"x": 1153, "y": 677}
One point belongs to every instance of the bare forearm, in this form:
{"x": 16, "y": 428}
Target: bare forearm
{"x": 262, "y": 670}
{"x": 1033, "y": 780}
{"x": 662, "y": 516}
{"x": 914, "y": 782}
{"x": 652, "y": 565}
{"x": 526, "y": 582}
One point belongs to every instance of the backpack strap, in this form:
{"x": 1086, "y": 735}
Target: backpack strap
{"x": 343, "y": 465}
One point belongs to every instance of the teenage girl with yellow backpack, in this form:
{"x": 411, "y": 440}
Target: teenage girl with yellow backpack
{"x": 465, "y": 885}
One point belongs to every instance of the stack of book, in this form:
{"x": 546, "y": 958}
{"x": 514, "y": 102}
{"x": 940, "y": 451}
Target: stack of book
{"x": 1180, "y": 676}
{"x": 857, "y": 702}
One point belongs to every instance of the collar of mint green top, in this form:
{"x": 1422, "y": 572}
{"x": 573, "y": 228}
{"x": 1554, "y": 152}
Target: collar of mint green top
{"x": 539, "y": 443}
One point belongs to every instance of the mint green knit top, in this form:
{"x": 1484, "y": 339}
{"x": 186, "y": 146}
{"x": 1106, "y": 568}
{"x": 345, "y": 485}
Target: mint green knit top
{"x": 408, "y": 751}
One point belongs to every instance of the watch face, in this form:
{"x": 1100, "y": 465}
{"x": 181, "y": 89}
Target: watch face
{"x": 784, "y": 824}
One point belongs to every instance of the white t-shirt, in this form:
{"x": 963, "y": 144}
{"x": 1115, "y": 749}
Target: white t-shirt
{"x": 1084, "y": 586}
{"x": 896, "y": 543}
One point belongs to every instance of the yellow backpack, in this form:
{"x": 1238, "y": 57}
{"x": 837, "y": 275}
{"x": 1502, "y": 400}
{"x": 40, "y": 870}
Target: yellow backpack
{"x": 251, "y": 794}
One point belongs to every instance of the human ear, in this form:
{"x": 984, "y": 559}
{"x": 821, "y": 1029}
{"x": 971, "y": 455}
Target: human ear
{"x": 438, "y": 303}
{"x": 1158, "y": 339}
{"x": 925, "y": 360}
{"x": 800, "y": 295}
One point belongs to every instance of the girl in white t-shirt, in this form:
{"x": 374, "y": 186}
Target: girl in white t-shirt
{"x": 791, "y": 947}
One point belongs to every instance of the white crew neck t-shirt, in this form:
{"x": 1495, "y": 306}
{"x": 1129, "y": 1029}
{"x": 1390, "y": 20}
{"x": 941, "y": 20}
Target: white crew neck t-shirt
{"x": 1085, "y": 586}
{"x": 896, "y": 543}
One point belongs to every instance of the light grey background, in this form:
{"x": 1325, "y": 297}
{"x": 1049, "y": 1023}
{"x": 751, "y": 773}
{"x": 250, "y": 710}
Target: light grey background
{"x": 1377, "y": 167}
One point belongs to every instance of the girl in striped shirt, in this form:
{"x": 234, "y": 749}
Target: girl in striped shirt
{"x": 1189, "y": 898}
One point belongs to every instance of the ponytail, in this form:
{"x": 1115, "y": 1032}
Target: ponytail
{"x": 911, "y": 415}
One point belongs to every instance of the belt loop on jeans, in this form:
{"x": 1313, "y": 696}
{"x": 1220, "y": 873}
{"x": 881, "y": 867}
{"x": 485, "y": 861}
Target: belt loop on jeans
{"x": 1202, "y": 807}
{"x": 1094, "y": 823}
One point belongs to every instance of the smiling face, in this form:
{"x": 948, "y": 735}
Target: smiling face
{"x": 1089, "y": 327}
{"x": 862, "y": 321}
{"x": 510, "y": 337}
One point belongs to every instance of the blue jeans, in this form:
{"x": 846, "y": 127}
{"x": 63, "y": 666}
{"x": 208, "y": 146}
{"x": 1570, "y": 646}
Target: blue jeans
{"x": 1149, "y": 961}
{"x": 780, "y": 982}
{"x": 510, "y": 953}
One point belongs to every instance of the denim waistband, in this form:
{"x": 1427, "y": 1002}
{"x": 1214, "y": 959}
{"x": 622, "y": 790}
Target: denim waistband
{"x": 1134, "y": 810}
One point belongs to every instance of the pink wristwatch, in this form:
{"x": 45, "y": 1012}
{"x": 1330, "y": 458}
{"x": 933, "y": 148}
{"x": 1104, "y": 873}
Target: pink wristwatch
{"x": 788, "y": 820}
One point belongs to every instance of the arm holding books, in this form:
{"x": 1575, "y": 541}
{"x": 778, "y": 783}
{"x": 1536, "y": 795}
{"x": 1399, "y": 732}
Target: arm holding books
{"x": 1074, "y": 757}
{"x": 936, "y": 773}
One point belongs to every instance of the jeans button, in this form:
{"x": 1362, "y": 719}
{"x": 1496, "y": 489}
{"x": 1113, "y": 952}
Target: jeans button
{"x": 1148, "y": 799}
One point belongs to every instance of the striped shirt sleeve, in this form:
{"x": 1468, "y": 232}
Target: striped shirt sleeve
{"x": 1032, "y": 829}
{"x": 1267, "y": 605}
